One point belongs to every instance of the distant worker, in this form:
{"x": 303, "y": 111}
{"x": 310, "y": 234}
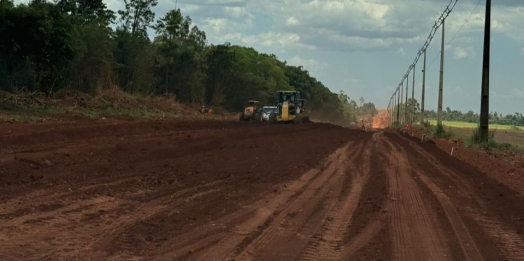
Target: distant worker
{"x": 363, "y": 125}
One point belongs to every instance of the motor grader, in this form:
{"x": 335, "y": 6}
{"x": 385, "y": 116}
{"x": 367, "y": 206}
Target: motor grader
{"x": 303, "y": 111}
{"x": 290, "y": 108}
{"x": 252, "y": 111}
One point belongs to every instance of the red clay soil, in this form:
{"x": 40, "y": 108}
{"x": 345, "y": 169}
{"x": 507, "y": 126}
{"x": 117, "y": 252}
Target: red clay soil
{"x": 67, "y": 185}
{"x": 506, "y": 167}
{"x": 209, "y": 190}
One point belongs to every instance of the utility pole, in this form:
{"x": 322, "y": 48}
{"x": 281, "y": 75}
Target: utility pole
{"x": 395, "y": 107}
{"x": 401, "y": 100}
{"x": 390, "y": 112}
{"x": 391, "y": 109}
{"x": 422, "y": 112}
{"x": 484, "y": 102}
{"x": 413, "y": 96}
{"x": 440, "y": 87}
{"x": 398, "y": 106}
{"x": 406, "y": 105}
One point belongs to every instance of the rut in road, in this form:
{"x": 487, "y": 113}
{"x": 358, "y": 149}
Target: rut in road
{"x": 331, "y": 237}
{"x": 287, "y": 237}
{"x": 279, "y": 227}
{"x": 310, "y": 220}
{"x": 414, "y": 227}
{"x": 508, "y": 241}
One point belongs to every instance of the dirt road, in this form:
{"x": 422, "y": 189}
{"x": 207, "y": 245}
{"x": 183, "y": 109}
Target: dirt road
{"x": 121, "y": 190}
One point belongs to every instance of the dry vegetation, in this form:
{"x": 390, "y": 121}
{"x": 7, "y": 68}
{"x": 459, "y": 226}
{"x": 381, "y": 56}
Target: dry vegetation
{"x": 511, "y": 136}
{"x": 108, "y": 103}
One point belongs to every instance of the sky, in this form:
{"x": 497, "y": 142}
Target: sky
{"x": 364, "y": 48}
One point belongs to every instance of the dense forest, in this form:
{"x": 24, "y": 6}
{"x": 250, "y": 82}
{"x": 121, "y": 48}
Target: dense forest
{"x": 72, "y": 44}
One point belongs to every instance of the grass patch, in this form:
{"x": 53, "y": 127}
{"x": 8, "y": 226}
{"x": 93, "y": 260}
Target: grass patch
{"x": 435, "y": 131}
{"x": 475, "y": 141}
{"x": 460, "y": 124}
{"x": 440, "y": 132}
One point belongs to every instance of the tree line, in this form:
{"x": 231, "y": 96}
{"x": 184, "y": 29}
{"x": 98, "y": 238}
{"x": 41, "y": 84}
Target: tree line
{"x": 70, "y": 44}
{"x": 516, "y": 119}
{"x": 413, "y": 108}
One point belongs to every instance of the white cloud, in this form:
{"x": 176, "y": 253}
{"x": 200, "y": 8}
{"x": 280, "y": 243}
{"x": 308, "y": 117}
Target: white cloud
{"x": 292, "y": 21}
{"x": 237, "y": 11}
{"x": 463, "y": 53}
{"x": 519, "y": 93}
{"x": 188, "y": 8}
{"x": 114, "y": 4}
{"x": 360, "y": 42}
{"x": 217, "y": 25}
{"x": 274, "y": 40}
{"x": 401, "y": 51}
{"x": 309, "y": 64}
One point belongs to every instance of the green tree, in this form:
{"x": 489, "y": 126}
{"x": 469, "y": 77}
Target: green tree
{"x": 137, "y": 16}
{"x": 92, "y": 70}
{"x": 87, "y": 11}
{"x": 181, "y": 47}
{"x": 134, "y": 55}
{"x": 37, "y": 42}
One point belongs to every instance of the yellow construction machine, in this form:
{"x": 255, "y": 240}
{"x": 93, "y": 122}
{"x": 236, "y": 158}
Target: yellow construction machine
{"x": 252, "y": 111}
{"x": 303, "y": 112}
{"x": 289, "y": 107}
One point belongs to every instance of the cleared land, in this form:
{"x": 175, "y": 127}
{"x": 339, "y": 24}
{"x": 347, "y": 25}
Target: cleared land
{"x": 138, "y": 190}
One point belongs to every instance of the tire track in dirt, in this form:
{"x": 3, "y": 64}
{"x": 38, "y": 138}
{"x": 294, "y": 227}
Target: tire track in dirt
{"x": 330, "y": 240}
{"x": 265, "y": 217}
{"x": 378, "y": 222}
{"x": 509, "y": 242}
{"x": 153, "y": 208}
{"x": 467, "y": 244}
{"x": 48, "y": 222}
{"x": 414, "y": 227}
{"x": 287, "y": 234}
{"x": 65, "y": 219}
{"x": 290, "y": 209}
{"x": 364, "y": 237}
{"x": 229, "y": 236}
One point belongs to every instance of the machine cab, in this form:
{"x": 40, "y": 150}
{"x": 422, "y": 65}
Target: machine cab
{"x": 302, "y": 105}
{"x": 252, "y": 103}
{"x": 290, "y": 96}
{"x": 287, "y": 99}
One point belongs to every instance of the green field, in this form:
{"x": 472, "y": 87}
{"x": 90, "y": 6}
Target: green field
{"x": 502, "y": 133}
{"x": 460, "y": 124}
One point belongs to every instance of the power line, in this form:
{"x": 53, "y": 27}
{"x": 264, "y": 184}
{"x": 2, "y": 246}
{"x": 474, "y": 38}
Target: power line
{"x": 434, "y": 29}
{"x": 456, "y": 33}
{"x": 465, "y": 21}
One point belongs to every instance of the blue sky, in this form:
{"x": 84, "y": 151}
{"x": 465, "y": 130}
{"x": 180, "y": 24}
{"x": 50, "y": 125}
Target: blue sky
{"x": 365, "y": 47}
